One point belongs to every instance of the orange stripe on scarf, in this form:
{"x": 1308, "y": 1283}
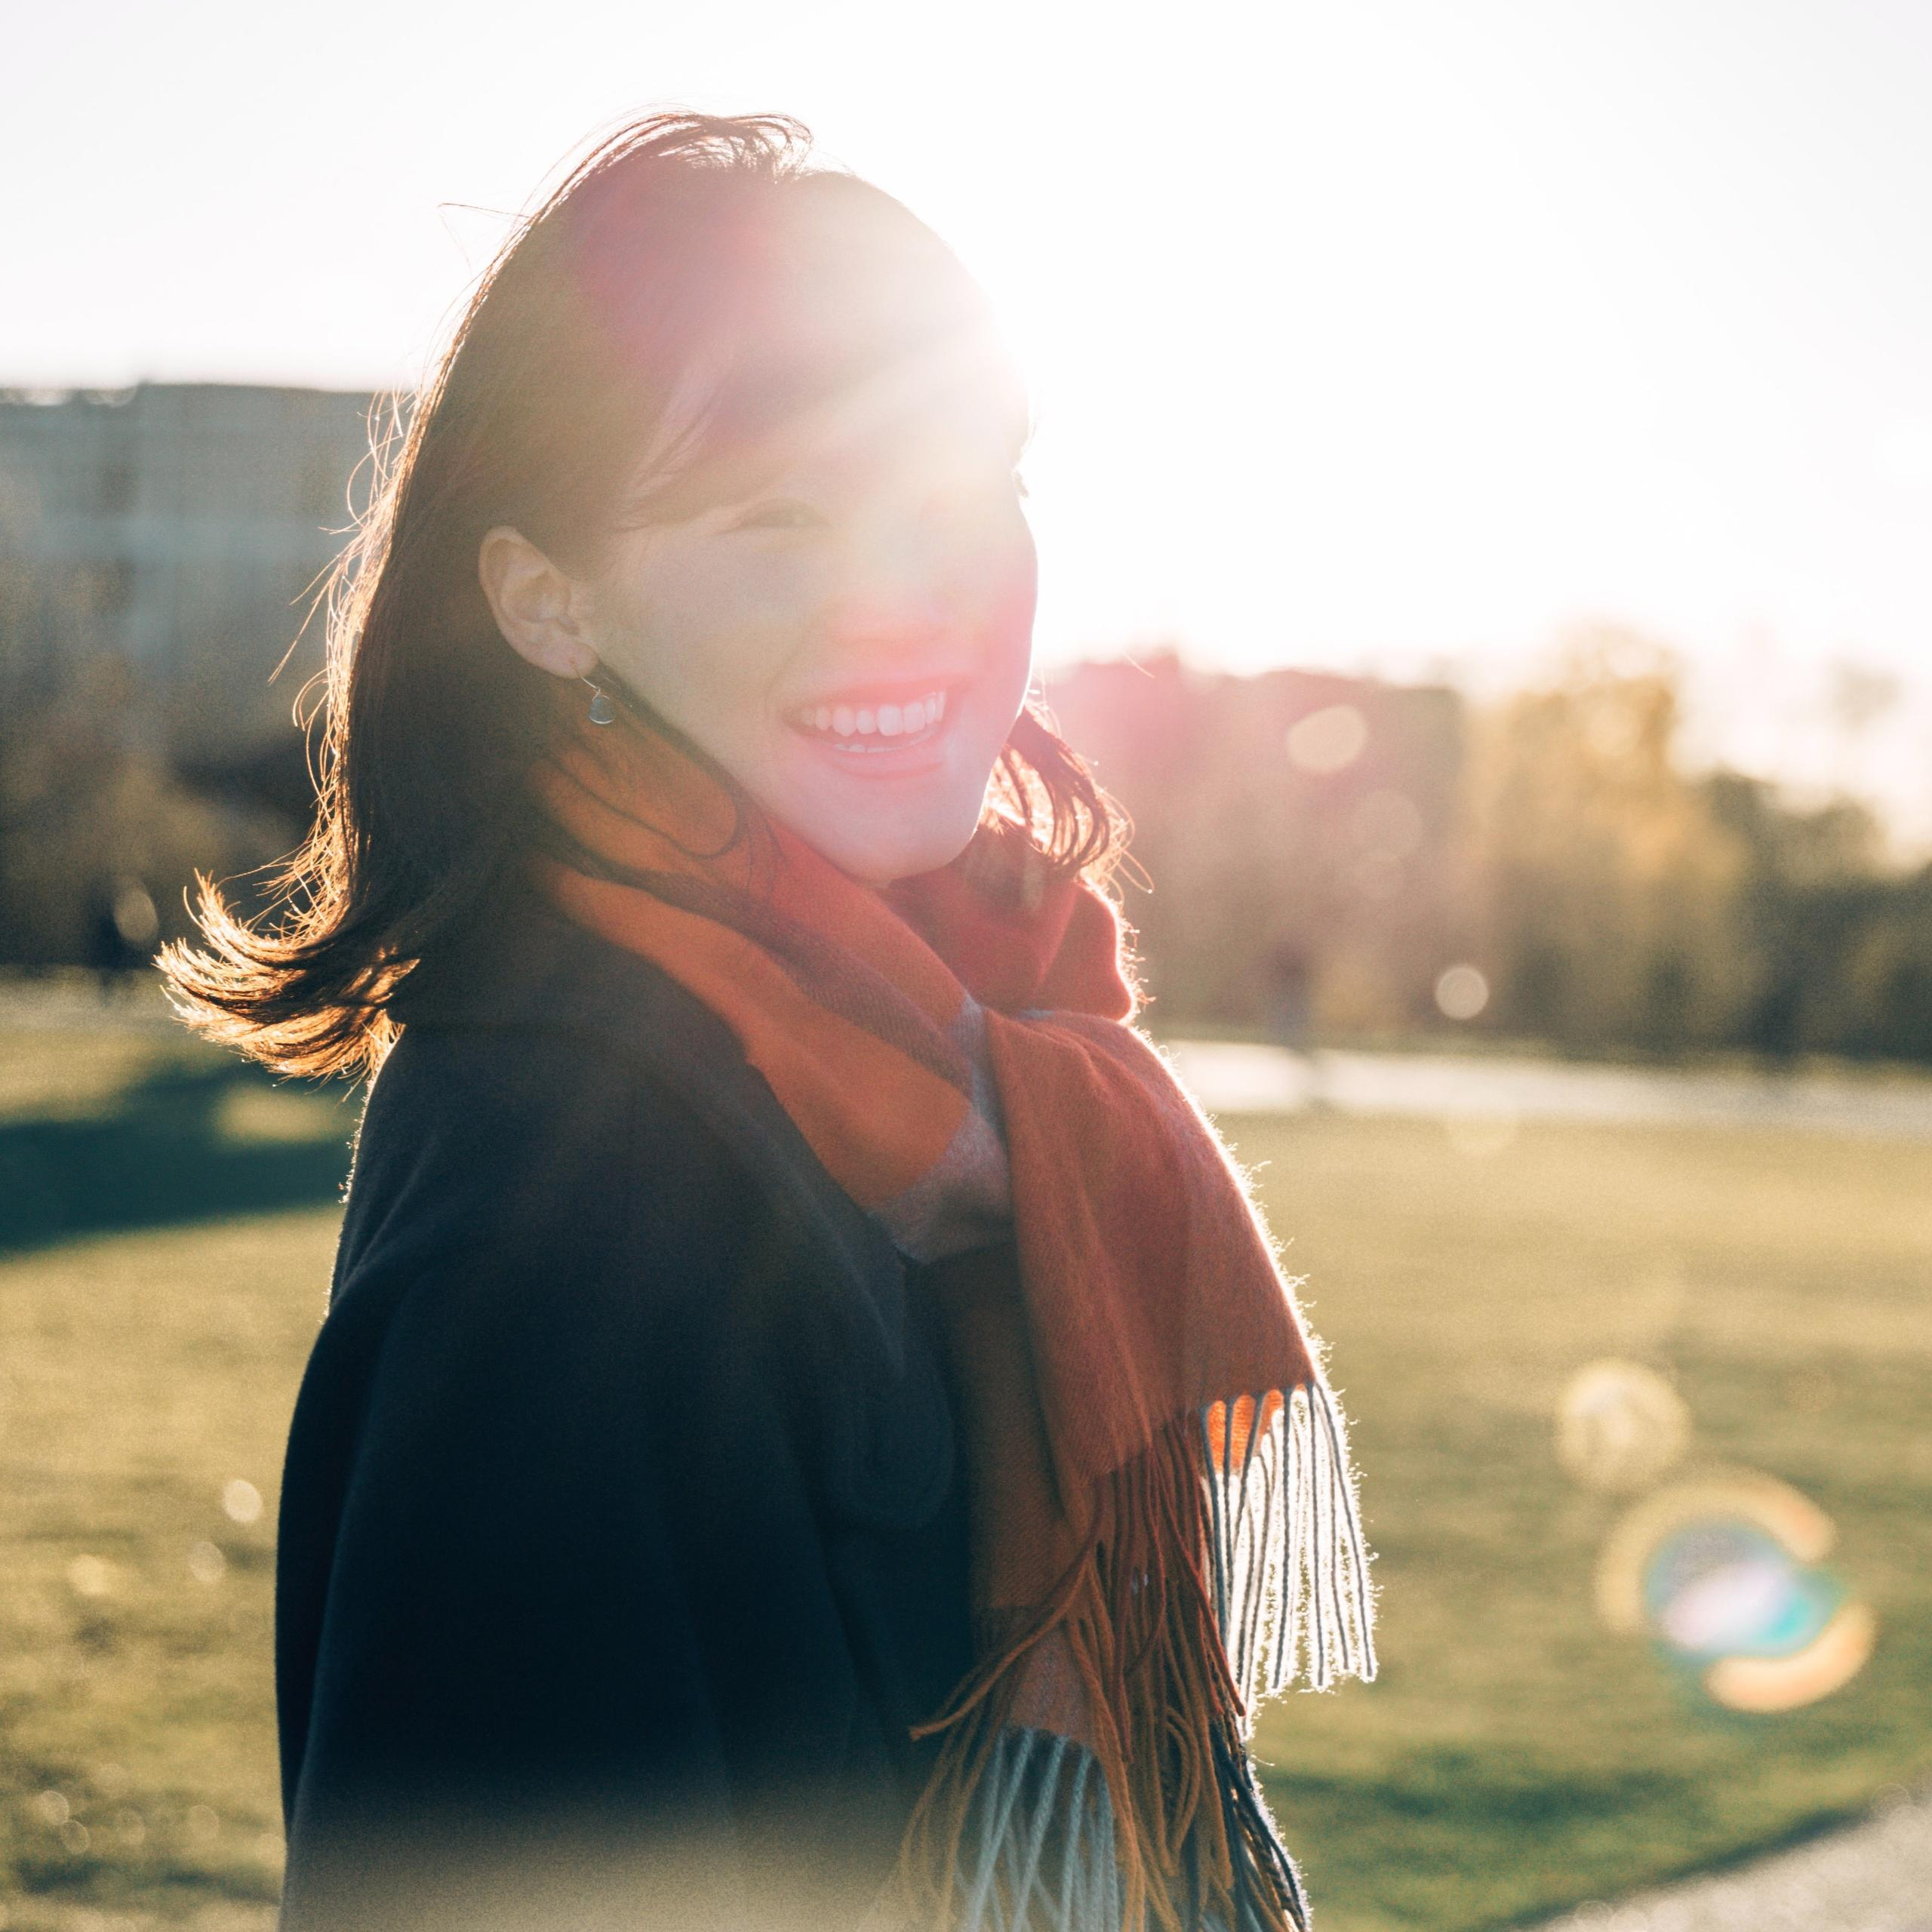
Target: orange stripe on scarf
{"x": 834, "y": 1079}
{"x": 1163, "y": 1514}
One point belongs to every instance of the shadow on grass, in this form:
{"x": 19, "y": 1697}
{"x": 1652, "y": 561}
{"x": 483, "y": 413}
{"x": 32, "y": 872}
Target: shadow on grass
{"x": 166, "y": 1153}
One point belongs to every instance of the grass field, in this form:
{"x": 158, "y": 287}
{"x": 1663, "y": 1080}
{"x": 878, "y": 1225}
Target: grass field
{"x": 1515, "y": 1756}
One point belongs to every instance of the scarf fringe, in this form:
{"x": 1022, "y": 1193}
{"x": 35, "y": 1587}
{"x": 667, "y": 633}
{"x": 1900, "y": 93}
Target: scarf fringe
{"x": 1217, "y": 1563}
{"x": 1291, "y": 1583}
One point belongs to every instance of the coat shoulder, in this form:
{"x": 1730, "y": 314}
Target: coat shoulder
{"x": 541, "y": 1083}
{"x": 581, "y": 1133}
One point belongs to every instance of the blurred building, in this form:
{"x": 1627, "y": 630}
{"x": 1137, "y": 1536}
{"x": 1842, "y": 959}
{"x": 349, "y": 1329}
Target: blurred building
{"x": 181, "y": 529}
{"x": 1298, "y": 830}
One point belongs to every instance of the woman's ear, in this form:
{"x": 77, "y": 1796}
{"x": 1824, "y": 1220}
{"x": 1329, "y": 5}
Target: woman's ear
{"x": 537, "y": 607}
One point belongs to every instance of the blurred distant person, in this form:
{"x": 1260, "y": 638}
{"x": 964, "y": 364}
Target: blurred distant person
{"x": 1291, "y": 972}
{"x": 792, "y": 1432}
{"x": 1291, "y": 1007}
{"x": 122, "y": 928}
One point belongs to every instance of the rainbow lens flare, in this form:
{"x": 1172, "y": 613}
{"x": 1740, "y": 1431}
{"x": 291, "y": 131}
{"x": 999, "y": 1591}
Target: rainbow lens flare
{"x": 1726, "y": 1576}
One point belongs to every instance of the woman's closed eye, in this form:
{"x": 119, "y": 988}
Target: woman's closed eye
{"x": 789, "y": 513}
{"x": 782, "y": 513}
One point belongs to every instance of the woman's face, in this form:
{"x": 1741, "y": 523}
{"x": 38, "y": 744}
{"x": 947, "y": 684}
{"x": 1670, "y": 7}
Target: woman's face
{"x": 852, "y": 643}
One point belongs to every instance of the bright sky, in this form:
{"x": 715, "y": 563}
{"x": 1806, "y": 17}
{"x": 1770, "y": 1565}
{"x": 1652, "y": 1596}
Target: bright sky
{"x": 1381, "y": 333}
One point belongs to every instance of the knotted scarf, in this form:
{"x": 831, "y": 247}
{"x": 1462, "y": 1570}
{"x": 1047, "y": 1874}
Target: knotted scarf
{"x": 1163, "y": 1526}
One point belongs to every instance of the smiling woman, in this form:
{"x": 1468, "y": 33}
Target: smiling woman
{"x": 865, "y": 616}
{"x": 738, "y": 433}
{"x": 808, "y": 1424}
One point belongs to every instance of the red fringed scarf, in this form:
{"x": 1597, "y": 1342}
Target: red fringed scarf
{"x": 1162, "y": 1513}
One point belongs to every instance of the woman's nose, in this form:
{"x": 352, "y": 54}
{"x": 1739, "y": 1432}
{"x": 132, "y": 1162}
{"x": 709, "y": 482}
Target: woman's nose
{"x": 894, "y": 581}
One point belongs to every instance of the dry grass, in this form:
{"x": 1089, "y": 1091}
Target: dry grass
{"x": 144, "y": 1374}
{"x": 1516, "y": 1756}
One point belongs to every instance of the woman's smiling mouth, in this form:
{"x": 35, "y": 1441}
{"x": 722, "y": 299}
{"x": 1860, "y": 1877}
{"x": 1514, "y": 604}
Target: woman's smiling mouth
{"x": 871, "y": 728}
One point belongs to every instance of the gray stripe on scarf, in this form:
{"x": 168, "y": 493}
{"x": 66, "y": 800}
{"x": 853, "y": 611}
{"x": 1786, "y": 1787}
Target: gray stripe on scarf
{"x": 964, "y": 1200}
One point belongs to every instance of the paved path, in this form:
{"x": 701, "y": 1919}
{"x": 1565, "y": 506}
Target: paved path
{"x": 1234, "y": 1077}
{"x": 1875, "y": 1876}
{"x": 1487, "y": 1094}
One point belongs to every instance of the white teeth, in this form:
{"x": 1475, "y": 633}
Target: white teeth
{"x": 884, "y": 721}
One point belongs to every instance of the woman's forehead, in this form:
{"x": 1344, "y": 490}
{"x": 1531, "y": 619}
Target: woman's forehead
{"x": 938, "y": 410}
{"x": 928, "y": 411}
{"x": 835, "y": 334}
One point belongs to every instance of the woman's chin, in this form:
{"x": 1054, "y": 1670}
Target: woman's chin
{"x": 883, "y": 813}
{"x": 882, "y": 854}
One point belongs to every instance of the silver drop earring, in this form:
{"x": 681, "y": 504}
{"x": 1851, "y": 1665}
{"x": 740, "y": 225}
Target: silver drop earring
{"x": 602, "y": 711}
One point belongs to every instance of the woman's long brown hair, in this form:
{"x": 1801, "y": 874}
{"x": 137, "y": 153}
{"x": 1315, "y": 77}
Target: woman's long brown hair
{"x": 663, "y": 253}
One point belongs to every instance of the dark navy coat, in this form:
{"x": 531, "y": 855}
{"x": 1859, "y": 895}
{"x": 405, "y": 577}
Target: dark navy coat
{"x": 622, "y": 1529}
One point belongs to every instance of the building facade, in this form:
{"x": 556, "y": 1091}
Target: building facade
{"x": 1298, "y": 830}
{"x": 183, "y": 530}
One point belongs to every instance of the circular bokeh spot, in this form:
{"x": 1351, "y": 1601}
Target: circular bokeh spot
{"x": 1620, "y": 1426}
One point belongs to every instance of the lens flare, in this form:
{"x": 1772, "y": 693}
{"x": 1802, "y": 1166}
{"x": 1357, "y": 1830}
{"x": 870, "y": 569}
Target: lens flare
{"x": 1328, "y": 740}
{"x": 1726, "y": 1576}
{"x": 1462, "y": 992}
{"x": 1620, "y": 1426}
